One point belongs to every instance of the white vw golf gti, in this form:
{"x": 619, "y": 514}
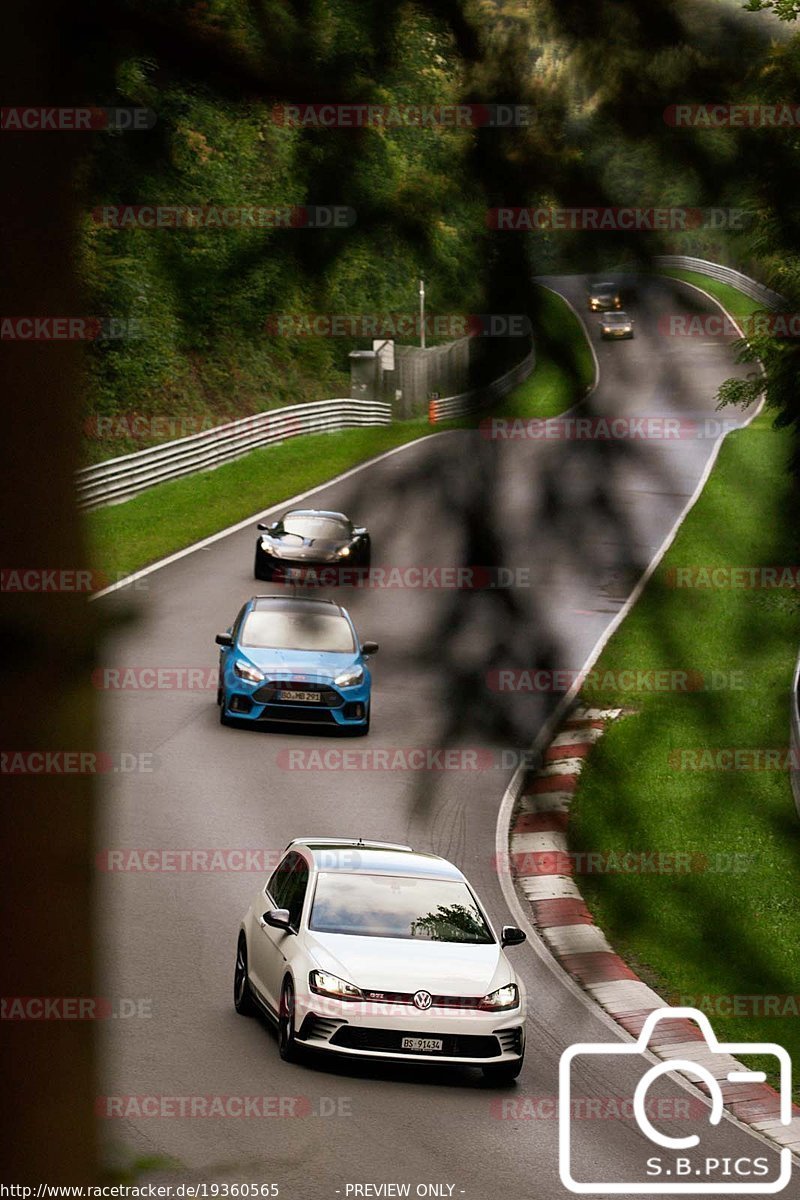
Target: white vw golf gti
{"x": 370, "y": 950}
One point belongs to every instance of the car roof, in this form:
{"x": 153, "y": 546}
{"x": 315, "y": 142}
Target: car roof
{"x": 603, "y": 286}
{"x": 294, "y": 604}
{"x": 375, "y": 858}
{"x": 615, "y": 316}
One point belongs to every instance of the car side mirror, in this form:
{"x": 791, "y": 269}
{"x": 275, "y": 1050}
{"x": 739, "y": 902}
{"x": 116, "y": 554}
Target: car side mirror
{"x": 359, "y": 532}
{"x": 223, "y": 639}
{"x": 266, "y": 527}
{"x": 278, "y": 918}
{"x": 511, "y": 936}
{"x": 369, "y": 648}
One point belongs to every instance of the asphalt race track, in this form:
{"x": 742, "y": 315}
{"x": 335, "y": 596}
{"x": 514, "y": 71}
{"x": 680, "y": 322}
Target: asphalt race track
{"x": 576, "y": 521}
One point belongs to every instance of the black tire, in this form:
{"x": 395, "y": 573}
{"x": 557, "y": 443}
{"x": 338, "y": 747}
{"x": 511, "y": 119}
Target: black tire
{"x": 261, "y": 568}
{"x": 502, "y": 1073}
{"x": 287, "y": 1041}
{"x": 243, "y": 1000}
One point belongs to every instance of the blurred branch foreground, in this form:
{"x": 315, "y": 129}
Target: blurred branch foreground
{"x": 48, "y": 1084}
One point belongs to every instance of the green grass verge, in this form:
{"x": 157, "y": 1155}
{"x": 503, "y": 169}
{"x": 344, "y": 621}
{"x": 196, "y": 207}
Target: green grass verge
{"x": 125, "y": 537}
{"x": 728, "y": 927}
{"x": 737, "y": 304}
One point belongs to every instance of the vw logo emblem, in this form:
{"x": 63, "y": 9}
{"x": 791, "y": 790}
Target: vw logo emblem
{"x": 423, "y": 1000}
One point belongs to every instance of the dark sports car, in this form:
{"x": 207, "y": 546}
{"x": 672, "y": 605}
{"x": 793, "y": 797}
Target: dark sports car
{"x": 603, "y": 297}
{"x": 305, "y": 540}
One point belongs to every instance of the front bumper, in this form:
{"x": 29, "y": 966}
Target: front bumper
{"x": 369, "y": 1030}
{"x": 309, "y": 572}
{"x": 262, "y": 705}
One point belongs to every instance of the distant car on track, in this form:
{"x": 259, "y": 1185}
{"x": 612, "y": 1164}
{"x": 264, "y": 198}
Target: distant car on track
{"x": 292, "y": 659}
{"x": 369, "y": 950}
{"x": 305, "y": 539}
{"x": 604, "y": 297}
{"x": 616, "y": 325}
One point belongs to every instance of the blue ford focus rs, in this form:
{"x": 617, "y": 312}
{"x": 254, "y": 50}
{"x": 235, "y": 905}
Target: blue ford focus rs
{"x": 294, "y": 660}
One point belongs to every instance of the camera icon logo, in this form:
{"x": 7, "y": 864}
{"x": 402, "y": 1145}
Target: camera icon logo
{"x": 695, "y": 1172}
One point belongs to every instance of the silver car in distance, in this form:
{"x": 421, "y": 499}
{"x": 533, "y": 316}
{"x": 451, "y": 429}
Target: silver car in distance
{"x": 370, "y": 950}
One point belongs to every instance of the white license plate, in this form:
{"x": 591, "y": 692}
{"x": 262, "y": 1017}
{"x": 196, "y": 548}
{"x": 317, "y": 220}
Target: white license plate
{"x": 304, "y": 697}
{"x": 422, "y": 1045}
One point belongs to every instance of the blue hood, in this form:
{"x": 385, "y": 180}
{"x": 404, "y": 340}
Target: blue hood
{"x": 316, "y": 664}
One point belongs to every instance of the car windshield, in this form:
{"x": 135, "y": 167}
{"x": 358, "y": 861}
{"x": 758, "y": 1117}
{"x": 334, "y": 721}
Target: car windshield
{"x": 330, "y": 528}
{"x": 276, "y": 630}
{"x": 397, "y": 906}
{"x": 602, "y": 289}
{"x": 615, "y": 319}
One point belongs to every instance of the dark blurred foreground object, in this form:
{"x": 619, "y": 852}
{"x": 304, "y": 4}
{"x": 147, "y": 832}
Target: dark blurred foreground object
{"x": 47, "y": 1065}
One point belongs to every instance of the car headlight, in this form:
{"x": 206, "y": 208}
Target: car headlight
{"x": 344, "y": 552}
{"x": 245, "y": 671}
{"x": 504, "y": 997}
{"x": 350, "y": 678}
{"x": 325, "y": 984}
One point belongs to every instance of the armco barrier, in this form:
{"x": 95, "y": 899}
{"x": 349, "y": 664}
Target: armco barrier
{"x": 756, "y": 291}
{"x": 469, "y": 402}
{"x": 120, "y": 478}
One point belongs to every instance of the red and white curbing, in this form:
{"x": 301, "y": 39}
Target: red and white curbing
{"x": 543, "y": 873}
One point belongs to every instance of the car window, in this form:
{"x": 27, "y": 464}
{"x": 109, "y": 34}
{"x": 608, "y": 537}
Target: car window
{"x": 288, "y": 885}
{"x": 296, "y": 892}
{"x": 238, "y": 623}
{"x": 397, "y": 906}
{"x": 317, "y": 527}
{"x": 279, "y": 882}
{"x": 280, "y": 630}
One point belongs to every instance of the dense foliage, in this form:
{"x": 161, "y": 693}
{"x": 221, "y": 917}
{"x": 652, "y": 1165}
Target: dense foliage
{"x": 599, "y": 78}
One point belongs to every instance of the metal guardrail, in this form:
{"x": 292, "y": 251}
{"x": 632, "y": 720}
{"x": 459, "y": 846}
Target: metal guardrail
{"x": 756, "y": 291}
{"x": 462, "y": 405}
{"x": 794, "y": 738}
{"x": 120, "y": 478}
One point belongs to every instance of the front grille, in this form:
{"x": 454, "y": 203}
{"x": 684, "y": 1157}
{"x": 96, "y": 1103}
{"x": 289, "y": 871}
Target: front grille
{"x": 305, "y": 572}
{"x": 436, "y": 1001}
{"x": 297, "y": 714}
{"x": 454, "y": 1045}
{"x": 271, "y": 693}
